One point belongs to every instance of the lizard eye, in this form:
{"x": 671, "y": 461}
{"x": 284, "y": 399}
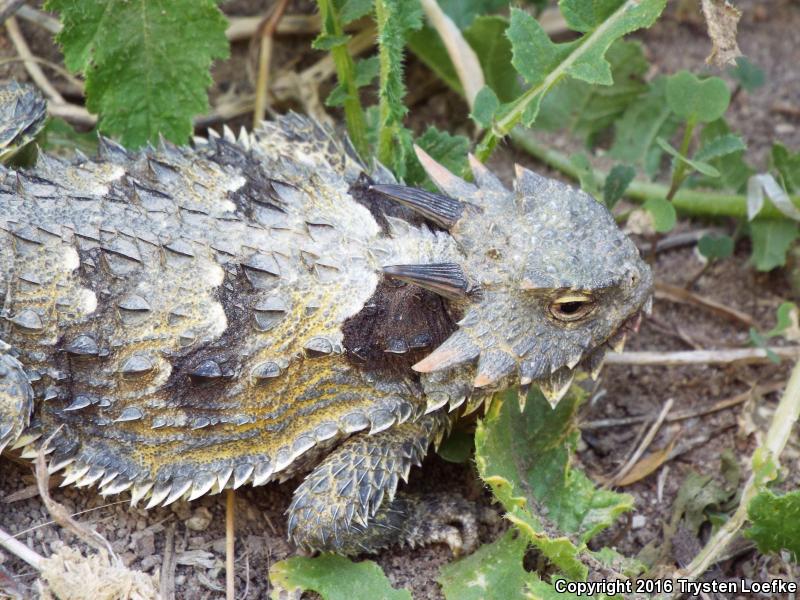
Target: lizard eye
{"x": 572, "y": 307}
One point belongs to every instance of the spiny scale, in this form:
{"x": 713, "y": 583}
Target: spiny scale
{"x": 182, "y": 320}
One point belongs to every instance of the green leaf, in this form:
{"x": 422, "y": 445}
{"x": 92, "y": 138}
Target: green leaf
{"x": 146, "y": 63}
{"x": 334, "y": 578}
{"x": 771, "y": 241}
{"x": 487, "y": 36}
{"x": 776, "y": 522}
{"x": 642, "y": 123}
{"x": 485, "y": 106}
{"x": 788, "y": 166}
{"x": 714, "y": 246}
{"x": 697, "y": 100}
{"x": 697, "y": 165}
{"x": 734, "y": 172}
{"x": 720, "y": 146}
{"x": 585, "y": 172}
{"x": 525, "y": 458}
{"x": 326, "y": 41}
{"x": 586, "y": 109}
{"x": 494, "y": 572}
{"x": 534, "y": 55}
{"x": 449, "y": 150}
{"x": 464, "y": 12}
{"x": 543, "y": 63}
{"x": 783, "y": 318}
{"x": 663, "y": 213}
{"x": 750, "y": 76}
{"x": 458, "y": 446}
{"x": 617, "y": 181}
{"x": 354, "y": 9}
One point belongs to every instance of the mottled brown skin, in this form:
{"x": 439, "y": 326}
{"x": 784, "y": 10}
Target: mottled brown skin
{"x": 182, "y": 320}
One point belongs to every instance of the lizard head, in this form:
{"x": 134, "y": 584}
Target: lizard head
{"x": 546, "y": 279}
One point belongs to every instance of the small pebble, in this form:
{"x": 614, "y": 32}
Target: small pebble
{"x": 200, "y": 520}
{"x": 638, "y": 521}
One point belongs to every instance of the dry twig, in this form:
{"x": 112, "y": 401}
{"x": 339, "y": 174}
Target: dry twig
{"x": 230, "y": 542}
{"x": 674, "y": 293}
{"x": 648, "y": 439}
{"x": 31, "y": 65}
{"x": 724, "y": 356}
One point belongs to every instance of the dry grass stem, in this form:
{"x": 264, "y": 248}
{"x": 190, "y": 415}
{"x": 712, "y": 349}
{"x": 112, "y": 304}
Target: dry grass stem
{"x": 31, "y": 65}
{"x": 265, "y": 33}
{"x": 230, "y": 544}
{"x": 725, "y": 356}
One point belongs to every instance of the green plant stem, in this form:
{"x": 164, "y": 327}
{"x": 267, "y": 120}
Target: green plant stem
{"x": 780, "y": 429}
{"x": 346, "y": 72}
{"x": 679, "y": 173}
{"x": 503, "y": 126}
{"x": 385, "y": 148}
{"x": 686, "y": 201}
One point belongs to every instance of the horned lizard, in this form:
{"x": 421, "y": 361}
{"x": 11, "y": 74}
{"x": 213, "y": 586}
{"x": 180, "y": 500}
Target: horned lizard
{"x": 181, "y": 320}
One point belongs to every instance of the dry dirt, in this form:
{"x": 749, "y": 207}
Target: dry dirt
{"x": 770, "y": 35}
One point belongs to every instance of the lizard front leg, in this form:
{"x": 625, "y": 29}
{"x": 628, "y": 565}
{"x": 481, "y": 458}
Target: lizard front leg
{"x": 348, "y": 503}
{"x": 16, "y": 397}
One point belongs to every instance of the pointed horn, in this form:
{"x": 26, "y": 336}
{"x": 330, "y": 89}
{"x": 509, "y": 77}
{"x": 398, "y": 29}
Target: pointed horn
{"x": 493, "y": 366}
{"x": 445, "y": 279}
{"x": 442, "y": 210}
{"x": 448, "y": 183}
{"x": 456, "y": 349}
{"x": 484, "y": 177}
{"x": 527, "y": 182}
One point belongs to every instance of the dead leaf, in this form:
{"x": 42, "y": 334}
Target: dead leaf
{"x": 722, "y": 19}
{"x": 649, "y": 464}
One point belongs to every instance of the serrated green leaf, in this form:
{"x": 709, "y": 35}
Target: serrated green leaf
{"x": 494, "y": 572}
{"x": 775, "y": 522}
{"x": 525, "y": 459}
{"x": 334, "y": 578}
{"x": 354, "y": 9}
{"x": 771, "y": 241}
{"x": 644, "y": 121}
{"x": 464, "y": 12}
{"x": 749, "y": 75}
{"x": 663, "y": 213}
{"x": 695, "y": 99}
{"x": 427, "y": 45}
{"x": 697, "y": 165}
{"x": 458, "y": 446}
{"x": 485, "y": 106}
{"x": 487, "y": 36}
{"x": 543, "y": 63}
{"x": 715, "y": 246}
{"x": 534, "y": 55}
{"x": 617, "y": 181}
{"x": 146, "y": 63}
{"x": 788, "y": 166}
{"x": 586, "y": 109}
{"x": 720, "y": 146}
{"x": 448, "y": 150}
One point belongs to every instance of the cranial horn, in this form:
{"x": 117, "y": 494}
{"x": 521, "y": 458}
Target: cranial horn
{"x": 448, "y": 183}
{"x": 442, "y": 210}
{"x": 484, "y": 177}
{"x": 445, "y": 279}
{"x": 456, "y": 350}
